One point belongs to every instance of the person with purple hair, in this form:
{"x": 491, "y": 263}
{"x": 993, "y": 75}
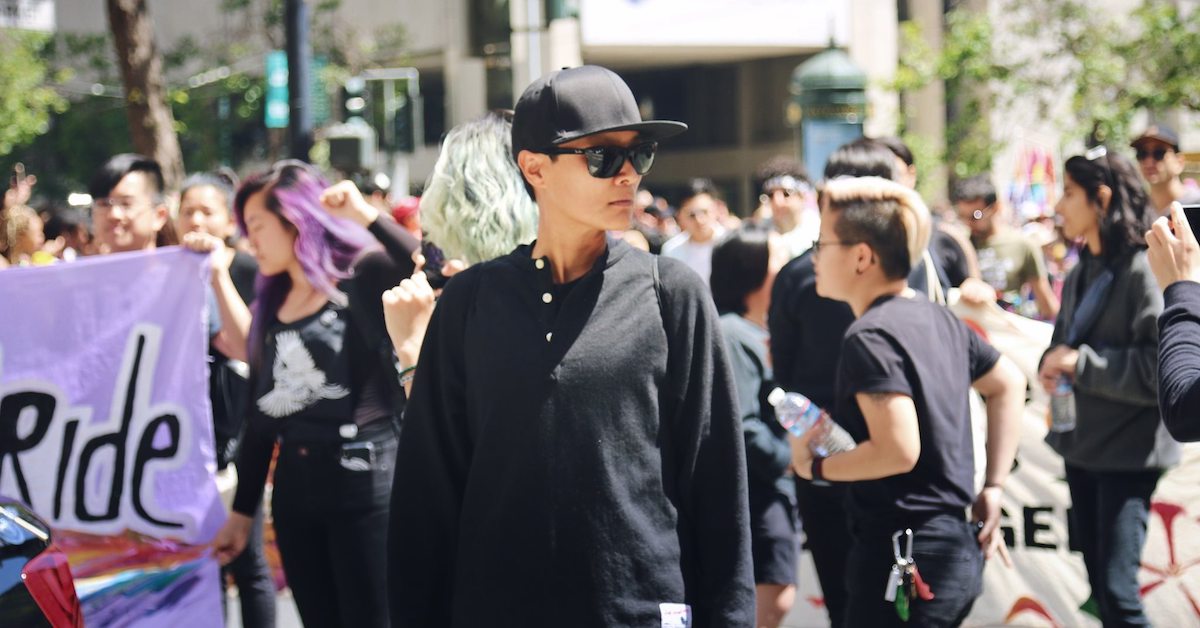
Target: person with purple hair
{"x": 323, "y": 385}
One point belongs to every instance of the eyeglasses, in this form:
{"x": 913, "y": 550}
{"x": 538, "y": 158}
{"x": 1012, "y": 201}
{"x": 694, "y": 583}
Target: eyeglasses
{"x": 1157, "y": 153}
{"x": 978, "y": 214}
{"x": 817, "y": 245}
{"x": 128, "y": 206}
{"x": 605, "y": 162}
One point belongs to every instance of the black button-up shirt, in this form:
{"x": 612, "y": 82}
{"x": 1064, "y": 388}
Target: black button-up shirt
{"x": 571, "y": 454}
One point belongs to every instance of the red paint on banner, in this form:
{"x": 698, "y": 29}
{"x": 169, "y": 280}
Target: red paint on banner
{"x": 1030, "y": 605}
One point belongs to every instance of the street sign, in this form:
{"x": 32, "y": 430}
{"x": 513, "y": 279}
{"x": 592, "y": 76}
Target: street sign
{"x": 276, "y": 105}
{"x": 277, "y": 110}
{"x": 321, "y": 110}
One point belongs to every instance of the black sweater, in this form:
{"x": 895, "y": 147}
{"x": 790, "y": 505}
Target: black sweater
{"x": 571, "y": 455}
{"x": 1179, "y": 360}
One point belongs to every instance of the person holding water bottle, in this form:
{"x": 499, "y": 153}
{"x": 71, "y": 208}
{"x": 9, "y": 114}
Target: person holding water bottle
{"x": 744, "y": 266}
{"x": 903, "y": 382}
{"x": 1105, "y": 346}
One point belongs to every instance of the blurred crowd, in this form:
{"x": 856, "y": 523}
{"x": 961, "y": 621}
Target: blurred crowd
{"x": 340, "y": 277}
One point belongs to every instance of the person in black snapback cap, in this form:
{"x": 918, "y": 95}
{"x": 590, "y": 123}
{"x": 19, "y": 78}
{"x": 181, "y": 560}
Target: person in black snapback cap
{"x": 571, "y": 451}
{"x": 1161, "y": 163}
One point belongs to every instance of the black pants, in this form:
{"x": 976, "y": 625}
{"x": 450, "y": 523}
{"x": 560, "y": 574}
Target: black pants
{"x": 827, "y": 536}
{"x": 331, "y": 522}
{"x": 1109, "y": 511}
{"x": 252, "y": 575}
{"x": 950, "y": 561}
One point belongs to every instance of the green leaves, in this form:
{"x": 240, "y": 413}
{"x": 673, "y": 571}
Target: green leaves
{"x": 1086, "y": 70}
{"x": 26, "y": 98}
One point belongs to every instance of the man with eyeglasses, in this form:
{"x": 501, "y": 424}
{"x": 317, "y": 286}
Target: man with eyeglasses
{"x": 1009, "y": 263}
{"x": 129, "y": 211}
{"x": 697, "y": 217}
{"x": 790, "y": 196}
{"x": 1161, "y": 163}
{"x": 571, "y": 452}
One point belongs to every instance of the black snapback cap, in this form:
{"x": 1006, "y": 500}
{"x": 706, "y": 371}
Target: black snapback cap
{"x": 1160, "y": 132}
{"x": 576, "y": 102}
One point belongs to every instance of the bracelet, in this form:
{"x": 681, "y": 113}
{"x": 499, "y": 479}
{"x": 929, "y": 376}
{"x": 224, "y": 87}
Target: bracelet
{"x": 818, "y": 478}
{"x": 406, "y": 374}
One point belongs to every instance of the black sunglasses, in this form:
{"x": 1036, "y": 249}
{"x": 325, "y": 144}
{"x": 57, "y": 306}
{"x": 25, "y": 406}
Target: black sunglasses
{"x": 604, "y": 162}
{"x": 1157, "y": 153}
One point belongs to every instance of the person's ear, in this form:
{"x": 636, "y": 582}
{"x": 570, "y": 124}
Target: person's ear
{"x": 533, "y": 168}
{"x": 863, "y": 256}
{"x": 161, "y": 216}
{"x": 1104, "y": 197}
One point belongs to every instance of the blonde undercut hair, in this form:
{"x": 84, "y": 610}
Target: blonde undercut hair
{"x": 872, "y": 210}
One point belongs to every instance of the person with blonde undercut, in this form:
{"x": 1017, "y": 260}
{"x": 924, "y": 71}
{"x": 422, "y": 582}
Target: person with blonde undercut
{"x": 905, "y": 402}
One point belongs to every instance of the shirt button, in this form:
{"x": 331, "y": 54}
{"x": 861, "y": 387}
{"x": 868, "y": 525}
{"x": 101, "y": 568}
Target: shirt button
{"x": 546, "y": 298}
{"x": 539, "y": 264}
{"x": 548, "y": 335}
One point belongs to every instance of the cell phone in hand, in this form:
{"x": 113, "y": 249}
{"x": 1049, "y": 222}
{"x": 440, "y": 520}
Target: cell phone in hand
{"x": 434, "y": 259}
{"x": 1193, "y": 216}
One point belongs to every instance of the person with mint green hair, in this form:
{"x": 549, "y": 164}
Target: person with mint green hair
{"x": 475, "y": 207}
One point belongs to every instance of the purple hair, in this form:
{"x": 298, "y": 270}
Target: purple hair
{"x": 326, "y": 247}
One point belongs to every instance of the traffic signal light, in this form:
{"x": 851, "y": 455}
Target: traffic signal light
{"x": 404, "y": 120}
{"x": 354, "y": 99}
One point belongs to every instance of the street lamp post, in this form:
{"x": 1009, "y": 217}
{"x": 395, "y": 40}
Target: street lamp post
{"x": 828, "y": 105}
{"x": 300, "y": 126}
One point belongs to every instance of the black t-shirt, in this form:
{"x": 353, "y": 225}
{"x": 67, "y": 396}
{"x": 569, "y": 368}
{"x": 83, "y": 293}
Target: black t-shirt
{"x": 227, "y": 386}
{"x": 806, "y": 332}
{"x": 949, "y": 256}
{"x": 891, "y": 350}
{"x": 243, "y": 270}
{"x": 807, "y": 329}
{"x": 328, "y": 369}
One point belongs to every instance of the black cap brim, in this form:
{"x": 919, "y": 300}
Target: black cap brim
{"x": 650, "y": 130}
{"x": 1169, "y": 141}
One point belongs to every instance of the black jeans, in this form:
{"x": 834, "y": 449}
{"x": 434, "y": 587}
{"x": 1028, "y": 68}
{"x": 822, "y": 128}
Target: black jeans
{"x": 947, "y": 555}
{"x": 1109, "y": 512}
{"x": 827, "y": 537}
{"x": 252, "y": 575}
{"x": 331, "y": 522}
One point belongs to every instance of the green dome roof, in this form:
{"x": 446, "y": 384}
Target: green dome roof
{"x": 829, "y": 69}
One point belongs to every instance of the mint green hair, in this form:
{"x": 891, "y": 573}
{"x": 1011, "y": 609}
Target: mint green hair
{"x": 475, "y": 207}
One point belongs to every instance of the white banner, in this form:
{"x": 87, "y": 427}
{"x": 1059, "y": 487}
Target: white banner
{"x": 745, "y": 23}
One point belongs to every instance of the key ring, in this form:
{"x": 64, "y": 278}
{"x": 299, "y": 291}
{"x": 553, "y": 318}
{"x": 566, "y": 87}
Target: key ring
{"x": 907, "y": 557}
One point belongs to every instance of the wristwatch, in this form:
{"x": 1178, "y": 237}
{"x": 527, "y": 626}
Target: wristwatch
{"x": 818, "y": 478}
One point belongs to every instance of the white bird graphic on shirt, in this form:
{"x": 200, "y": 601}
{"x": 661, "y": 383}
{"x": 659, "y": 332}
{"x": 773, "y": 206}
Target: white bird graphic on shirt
{"x": 298, "y": 381}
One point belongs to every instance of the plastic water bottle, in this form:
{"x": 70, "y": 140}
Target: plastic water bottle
{"x": 798, "y": 414}
{"x": 1062, "y": 406}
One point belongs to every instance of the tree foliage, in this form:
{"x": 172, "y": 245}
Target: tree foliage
{"x": 27, "y": 98}
{"x": 219, "y": 119}
{"x": 1089, "y": 71}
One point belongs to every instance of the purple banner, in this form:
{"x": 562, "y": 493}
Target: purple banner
{"x": 106, "y": 428}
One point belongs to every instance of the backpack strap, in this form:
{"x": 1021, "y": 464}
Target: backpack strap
{"x": 933, "y": 284}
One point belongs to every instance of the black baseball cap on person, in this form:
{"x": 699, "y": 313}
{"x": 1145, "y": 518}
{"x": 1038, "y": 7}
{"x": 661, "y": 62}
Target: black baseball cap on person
{"x": 576, "y": 102}
{"x": 1160, "y": 132}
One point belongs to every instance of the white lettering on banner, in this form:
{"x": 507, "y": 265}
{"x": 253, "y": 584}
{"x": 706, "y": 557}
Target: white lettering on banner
{"x": 101, "y": 477}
